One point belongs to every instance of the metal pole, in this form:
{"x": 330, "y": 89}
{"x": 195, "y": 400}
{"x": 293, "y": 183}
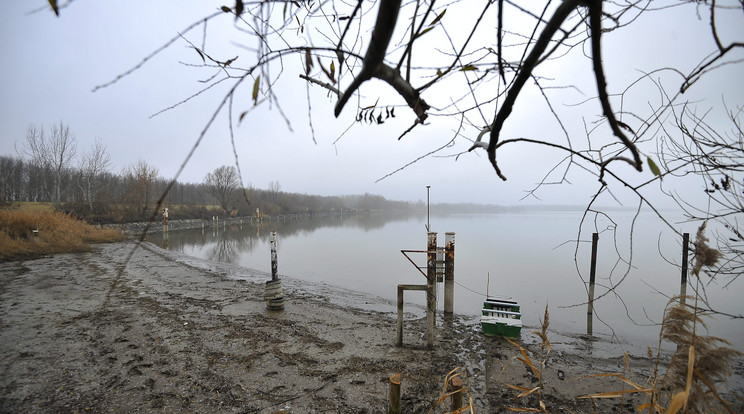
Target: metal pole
{"x": 274, "y": 265}
{"x": 685, "y": 254}
{"x": 401, "y": 290}
{"x": 592, "y": 276}
{"x": 431, "y": 288}
{"x": 449, "y": 272}
{"x": 428, "y": 227}
{"x": 399, "y": 331}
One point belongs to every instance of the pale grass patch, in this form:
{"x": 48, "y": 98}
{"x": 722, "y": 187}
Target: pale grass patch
{"x": 32, "y": 233}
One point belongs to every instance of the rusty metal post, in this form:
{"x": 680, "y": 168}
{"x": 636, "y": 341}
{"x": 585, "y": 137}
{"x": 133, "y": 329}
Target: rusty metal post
{"x": 431, "y": 288}
{"x": 394, "y": 399}
{"x": 449, "y": 273}
{"x": 592, "y": 277}
{"x": 685, "y": 254}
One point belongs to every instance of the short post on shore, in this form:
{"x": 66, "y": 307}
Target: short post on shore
{"x": 274, "y": 295}
{"x": 394, "y": 399}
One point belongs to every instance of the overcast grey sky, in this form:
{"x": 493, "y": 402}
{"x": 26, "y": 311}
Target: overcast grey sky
{"x": 50, "y": 66}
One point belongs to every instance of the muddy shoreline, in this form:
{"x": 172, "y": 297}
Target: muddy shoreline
{"x": 170, "y": 333}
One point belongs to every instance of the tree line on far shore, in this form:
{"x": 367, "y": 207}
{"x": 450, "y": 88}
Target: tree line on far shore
{"x": 50, "y": 170}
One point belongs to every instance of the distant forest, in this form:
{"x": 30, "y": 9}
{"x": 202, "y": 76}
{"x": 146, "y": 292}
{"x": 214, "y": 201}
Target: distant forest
{"x": 132, "y": 195}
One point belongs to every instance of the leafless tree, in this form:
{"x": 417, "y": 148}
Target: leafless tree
{"x": 93, "y": 166}
{"x": 141, "y": 190}
{"x": 716, "y": 156}
{"x": 466, "y": 66}
{"x": 274, "y": 189}
{"x": 222, "y": 184}
{"x": 53, "y": 152}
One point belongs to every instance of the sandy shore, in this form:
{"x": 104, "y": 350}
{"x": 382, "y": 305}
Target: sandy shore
{"x": 176, "y": 334}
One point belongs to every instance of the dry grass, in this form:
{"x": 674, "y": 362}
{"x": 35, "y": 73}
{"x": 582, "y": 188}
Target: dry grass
{"x": 31, "y": 233}
{"x": 537, "y": 370}
{"x": 687, "y": 383}
{"x": 700, "y": 361}
{"x": 452, "y": 392}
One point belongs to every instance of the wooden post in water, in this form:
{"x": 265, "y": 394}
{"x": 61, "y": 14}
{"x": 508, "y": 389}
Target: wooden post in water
{"x": 394, "y": 399}
{"x": 449, "y": 273}
{"x": 431, "y": 288}
{"x": 592, "y": 277}
{"x": 685, "y": 253}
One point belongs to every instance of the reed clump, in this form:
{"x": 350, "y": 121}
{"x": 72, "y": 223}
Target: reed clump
{"x": 27, "y": 234}
{"x": 535, "y": 368}
{"x": 699, "y": 362}
{"x": 456, "y": 399}
{"x": 688, "y": 382}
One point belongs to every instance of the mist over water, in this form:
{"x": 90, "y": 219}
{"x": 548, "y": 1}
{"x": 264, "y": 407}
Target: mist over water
{"x": 531, "y": 256}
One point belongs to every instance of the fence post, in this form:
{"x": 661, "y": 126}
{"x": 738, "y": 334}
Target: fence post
{"x": 431, "y": 288}
{"x": 685, "y": 254}
{"x": 592, "y": 276}
{"x": 449, "y": 273}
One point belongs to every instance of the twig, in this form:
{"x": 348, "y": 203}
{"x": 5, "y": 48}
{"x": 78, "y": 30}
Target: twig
{"x": 321, "y": 83}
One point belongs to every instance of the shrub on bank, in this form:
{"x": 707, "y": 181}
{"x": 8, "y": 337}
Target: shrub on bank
{"x": 27, "y": 234}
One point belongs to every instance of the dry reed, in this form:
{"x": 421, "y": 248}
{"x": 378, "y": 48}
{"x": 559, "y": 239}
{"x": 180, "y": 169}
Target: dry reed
{"x": 699, "y": 362}
{"x": 537, "y": 371}
{"x": 448, "y": 392}
{"x": 27, "y": 234}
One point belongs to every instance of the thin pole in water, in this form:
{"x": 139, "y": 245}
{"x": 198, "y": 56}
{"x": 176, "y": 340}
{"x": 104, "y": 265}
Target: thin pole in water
{"x": 428, "y": 227}
{"x": 685, "y": 254}
{"x": 592, "y": 276}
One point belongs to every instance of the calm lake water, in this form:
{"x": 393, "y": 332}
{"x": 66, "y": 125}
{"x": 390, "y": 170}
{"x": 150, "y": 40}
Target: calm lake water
{"x": 532, "y": 257}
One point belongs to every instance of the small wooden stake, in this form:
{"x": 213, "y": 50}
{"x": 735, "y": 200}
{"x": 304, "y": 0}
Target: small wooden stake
{"x": 456, "y": 388}
{"x": 394, "y": 402}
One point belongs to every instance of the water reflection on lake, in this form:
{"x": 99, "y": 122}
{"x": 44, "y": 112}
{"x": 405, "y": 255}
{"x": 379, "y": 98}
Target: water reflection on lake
{"x": 530, "y": 256}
